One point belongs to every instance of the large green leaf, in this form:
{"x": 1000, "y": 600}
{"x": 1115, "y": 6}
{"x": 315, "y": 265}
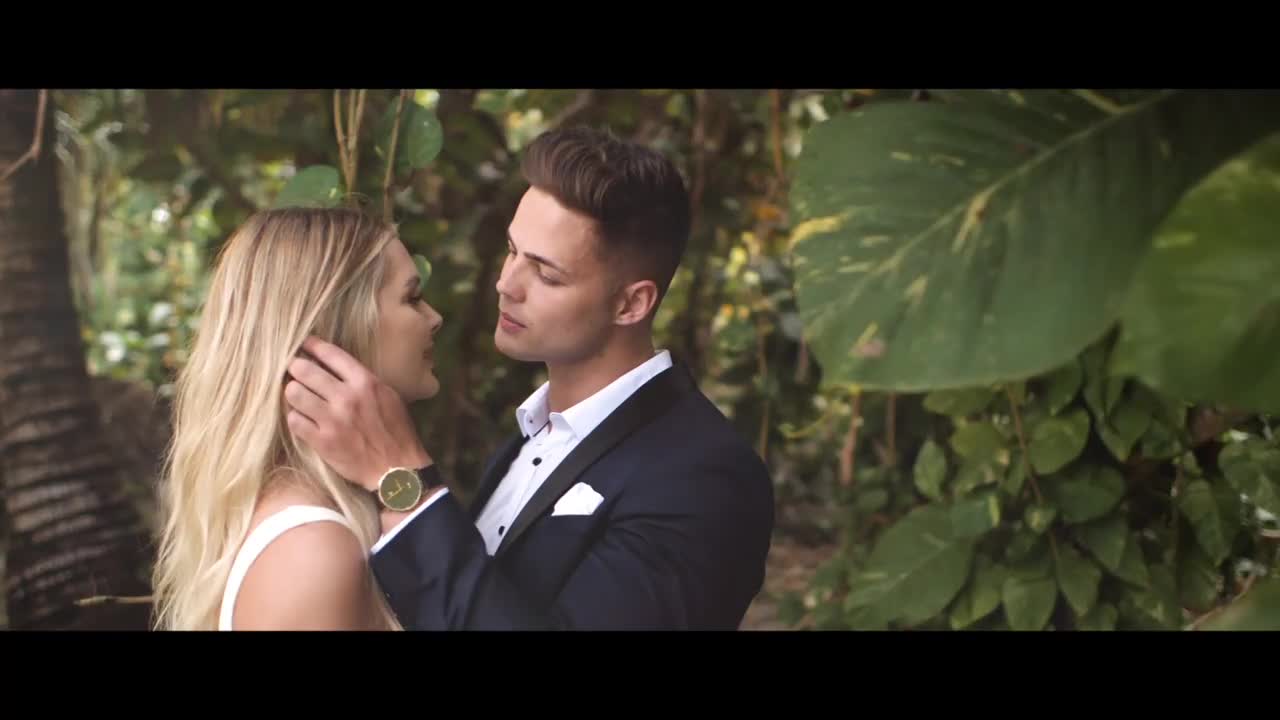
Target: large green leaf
{"x": 1203, "y": 320}
{"x": 916, "y": 569}
{"x": 993, "y": 235}
{"x": 962, "y": 401}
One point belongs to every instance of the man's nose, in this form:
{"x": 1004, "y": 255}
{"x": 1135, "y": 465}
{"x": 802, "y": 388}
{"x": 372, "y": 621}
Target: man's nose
{"x": 507, "y": 284}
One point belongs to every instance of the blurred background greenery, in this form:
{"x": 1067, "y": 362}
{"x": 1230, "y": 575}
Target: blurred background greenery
{"x": 152, "y": 181}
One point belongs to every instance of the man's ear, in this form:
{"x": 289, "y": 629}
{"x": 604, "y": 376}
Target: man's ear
{"x": 635, "y": 302}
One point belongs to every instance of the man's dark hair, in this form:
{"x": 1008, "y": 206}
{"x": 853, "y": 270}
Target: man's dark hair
{"x": 634, "y": 193}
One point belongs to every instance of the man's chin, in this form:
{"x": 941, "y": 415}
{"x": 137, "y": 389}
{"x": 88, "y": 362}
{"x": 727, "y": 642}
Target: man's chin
{"x": 512, "y": 350}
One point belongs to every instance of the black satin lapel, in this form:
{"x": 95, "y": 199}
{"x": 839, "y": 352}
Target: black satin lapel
{"x": 651, "y": 400}
{"x": 495, "y": 472}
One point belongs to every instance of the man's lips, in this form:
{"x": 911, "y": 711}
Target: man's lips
{"x": 511, "y": 320}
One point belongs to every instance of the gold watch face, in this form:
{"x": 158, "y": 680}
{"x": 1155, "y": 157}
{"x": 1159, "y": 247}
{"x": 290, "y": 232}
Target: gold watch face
{"x": 400, "y": 489}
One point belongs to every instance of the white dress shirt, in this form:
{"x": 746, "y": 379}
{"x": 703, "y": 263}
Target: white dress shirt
{"x": 551, "y": 437}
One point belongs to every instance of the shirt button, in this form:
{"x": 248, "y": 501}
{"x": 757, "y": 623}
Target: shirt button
{"x": 537, "y": 461}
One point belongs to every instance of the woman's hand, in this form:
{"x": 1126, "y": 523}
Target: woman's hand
{"x": 353, "y": 420}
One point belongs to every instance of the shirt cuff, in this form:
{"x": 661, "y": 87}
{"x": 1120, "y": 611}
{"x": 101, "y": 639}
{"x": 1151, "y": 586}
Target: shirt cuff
{"x": 386, "y": 538}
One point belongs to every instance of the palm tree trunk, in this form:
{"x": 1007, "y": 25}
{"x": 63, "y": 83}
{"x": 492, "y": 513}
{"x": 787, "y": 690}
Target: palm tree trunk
{"x": 72, "y": 532}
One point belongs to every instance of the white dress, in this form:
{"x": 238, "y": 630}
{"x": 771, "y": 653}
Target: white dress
{"x": 261, "y": 536}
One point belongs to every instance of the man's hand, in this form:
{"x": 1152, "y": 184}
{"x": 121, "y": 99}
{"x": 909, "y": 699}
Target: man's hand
{"x": 353, "y": 420}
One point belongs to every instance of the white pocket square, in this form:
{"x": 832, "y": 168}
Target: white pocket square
{"x": 581, "y": 499}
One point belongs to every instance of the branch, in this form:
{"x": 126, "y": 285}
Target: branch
{"x": 1208, "y": 423}
{"x": 579, "y": 104}
{"x": 775, "y": 102}
{"x": 891, "y": 421}
{"x": 33, "y": 152}
{"x": 341, "y": 136}
{"x": 1248, "y": 584}
{"x": 848, "y": 452}
{"x": 216, "y": 173}
{"x": 1031, "y": 475}
{"x": 114, "y": 600}
{"x": 1022, "y": 441}
{"x": 391, "y": 159}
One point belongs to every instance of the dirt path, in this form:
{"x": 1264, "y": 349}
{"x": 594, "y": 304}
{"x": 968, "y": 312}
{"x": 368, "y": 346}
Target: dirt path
{"x": 790, "y": 566}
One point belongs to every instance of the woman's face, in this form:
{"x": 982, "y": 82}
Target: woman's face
{"x": 406, "y": 329}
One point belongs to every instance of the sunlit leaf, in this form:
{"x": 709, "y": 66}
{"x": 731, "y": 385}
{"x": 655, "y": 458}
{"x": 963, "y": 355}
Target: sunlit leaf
{"x": 424, "y": 270}
{"x": 314, "y": 186}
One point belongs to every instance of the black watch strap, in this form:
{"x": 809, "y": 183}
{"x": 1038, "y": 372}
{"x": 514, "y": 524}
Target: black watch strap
{"x": 430, "y": 476}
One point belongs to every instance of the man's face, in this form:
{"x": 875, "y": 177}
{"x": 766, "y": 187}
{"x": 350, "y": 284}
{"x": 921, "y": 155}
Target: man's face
{"x": 555, "y": 292}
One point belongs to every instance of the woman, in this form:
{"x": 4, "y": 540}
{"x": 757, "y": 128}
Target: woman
{"x": 257, "y": 532}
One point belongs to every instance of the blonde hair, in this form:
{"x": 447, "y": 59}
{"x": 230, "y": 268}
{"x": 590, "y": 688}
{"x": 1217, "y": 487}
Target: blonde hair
{"x": 283, "y": 275}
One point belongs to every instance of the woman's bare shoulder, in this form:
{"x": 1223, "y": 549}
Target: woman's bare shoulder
{"x": 313, "y": 576}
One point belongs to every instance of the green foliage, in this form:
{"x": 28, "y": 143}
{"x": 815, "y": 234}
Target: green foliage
{"x": 418, "y": 140}
{"x": 1203, "y": 319}
{"x": 1058, "y": 312}
{"x": 1052, "y": 276}
{"x": 316, "y": 186}
{"x": 990, "y": 236}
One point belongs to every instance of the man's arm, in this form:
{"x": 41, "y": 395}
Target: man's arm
{"x": 393, "y": 522}
{"x": 670, "y": 559}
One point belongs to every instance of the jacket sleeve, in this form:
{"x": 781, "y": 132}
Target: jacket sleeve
{"x": 680, "y": 552}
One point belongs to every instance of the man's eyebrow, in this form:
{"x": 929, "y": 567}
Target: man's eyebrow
{"x": 538, "y": 258}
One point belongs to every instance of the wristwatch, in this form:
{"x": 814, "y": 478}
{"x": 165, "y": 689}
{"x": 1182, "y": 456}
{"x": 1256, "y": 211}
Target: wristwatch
{"x": 401, "y": 489}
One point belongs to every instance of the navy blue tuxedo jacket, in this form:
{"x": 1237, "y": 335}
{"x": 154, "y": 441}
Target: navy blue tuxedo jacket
{"x": 678, "y": 542}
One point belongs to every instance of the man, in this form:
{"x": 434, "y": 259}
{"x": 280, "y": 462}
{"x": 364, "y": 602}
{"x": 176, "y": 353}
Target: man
{"x": 626, "y": 500}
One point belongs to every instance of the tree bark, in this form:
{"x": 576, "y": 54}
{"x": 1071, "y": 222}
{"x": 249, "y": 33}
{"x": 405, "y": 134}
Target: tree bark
{"x": 73, "y": 534}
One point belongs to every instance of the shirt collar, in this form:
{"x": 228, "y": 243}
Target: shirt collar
{"x": 582, "y": 418}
